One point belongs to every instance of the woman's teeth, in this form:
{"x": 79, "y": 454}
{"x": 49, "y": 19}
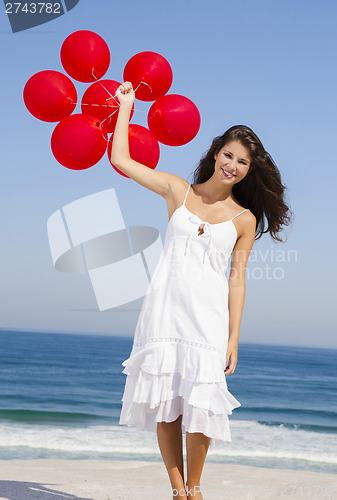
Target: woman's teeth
{"x": 227, "y": 174}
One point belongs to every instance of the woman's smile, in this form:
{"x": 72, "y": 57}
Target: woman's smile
{"x": 227, "y": 174}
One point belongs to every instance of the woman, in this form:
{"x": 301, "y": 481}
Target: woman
{"x": 187, "y": 334}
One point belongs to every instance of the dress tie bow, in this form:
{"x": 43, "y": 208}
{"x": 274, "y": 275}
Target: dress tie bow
{"x": 207, "y": 233}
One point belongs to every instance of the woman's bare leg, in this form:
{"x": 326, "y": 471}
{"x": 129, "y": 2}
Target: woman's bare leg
{"x": 196, "y": 450}
{"x": 171, "y": 447}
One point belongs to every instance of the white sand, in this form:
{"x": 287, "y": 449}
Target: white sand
{"x": 140, "y": 480}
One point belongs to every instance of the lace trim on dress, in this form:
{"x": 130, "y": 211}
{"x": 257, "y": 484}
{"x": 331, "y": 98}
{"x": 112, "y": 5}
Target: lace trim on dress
{"x": 175, "y": 339}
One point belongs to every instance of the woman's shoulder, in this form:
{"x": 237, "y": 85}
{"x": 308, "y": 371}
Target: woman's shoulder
{"x": 249, "y": 216}
{"x": 247, "y": 219}
{"x": 178, "y": 185}
{"x": 177, "y": 189}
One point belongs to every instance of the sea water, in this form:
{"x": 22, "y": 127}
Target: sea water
{"x": 60, "y": 397}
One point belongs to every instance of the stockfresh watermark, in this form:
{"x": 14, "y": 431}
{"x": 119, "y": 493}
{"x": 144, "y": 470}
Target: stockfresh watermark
{"x": 26, "y": 15}
{"x": 264, "y": 264}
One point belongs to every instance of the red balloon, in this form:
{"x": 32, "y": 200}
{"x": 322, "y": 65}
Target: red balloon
{"x": 174, "y": 120}
{"x": 97, "y": 101}
{"x": 152, "y": 69}
{"x": 85, "y": 56}
{"x": 143, "y": 147}
{"x": 79, "y": 141}
{"x": 50, "y": 96}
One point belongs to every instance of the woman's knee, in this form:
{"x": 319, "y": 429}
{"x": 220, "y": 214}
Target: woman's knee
{"x": 197, "y": 439}
{"x": 196, "y": 449}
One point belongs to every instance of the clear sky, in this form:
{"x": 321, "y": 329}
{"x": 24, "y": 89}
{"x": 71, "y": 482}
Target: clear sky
{"x": 269, "y": 64}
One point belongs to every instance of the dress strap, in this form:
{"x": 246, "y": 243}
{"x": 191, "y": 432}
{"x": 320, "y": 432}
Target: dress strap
{"x": 239, "y": 213}
{"x": 186, "y": 194}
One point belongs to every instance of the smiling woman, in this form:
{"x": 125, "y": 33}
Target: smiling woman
{"x": 256, "y": 182}
{"x": 228, "y": 155}
{"x": 186, "y": 338}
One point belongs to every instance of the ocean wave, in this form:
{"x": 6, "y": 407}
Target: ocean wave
{"x": 249, "y": 440}
{"x": 306, "y": 427}
{"x": 46, "y": 417}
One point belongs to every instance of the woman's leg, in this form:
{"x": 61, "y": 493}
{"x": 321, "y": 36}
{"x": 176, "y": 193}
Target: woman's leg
{"x": 196, "y": 450}
{"x": 171, "y": 447}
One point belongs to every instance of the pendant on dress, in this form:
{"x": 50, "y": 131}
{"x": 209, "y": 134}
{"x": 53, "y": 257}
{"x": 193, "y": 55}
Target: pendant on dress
{"x": 201, "y": 229}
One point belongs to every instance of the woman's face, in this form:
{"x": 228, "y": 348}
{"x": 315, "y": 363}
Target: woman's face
{"x": 232, "y": 162}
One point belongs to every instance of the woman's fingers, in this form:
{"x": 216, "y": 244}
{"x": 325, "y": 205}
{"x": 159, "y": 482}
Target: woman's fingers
{"x": 125, "y": 93}
{"x": 230, "y": 368}
{"x": 125, "y": 87}
{"x": 231, "y": 358}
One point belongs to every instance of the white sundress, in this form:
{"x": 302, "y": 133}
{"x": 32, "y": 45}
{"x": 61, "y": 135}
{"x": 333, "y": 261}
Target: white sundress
{"x": 178, "y": 356}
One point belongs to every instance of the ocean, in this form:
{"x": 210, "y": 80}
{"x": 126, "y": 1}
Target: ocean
{"x": 60, "y": 397}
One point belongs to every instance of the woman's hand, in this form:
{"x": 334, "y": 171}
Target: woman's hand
{"x": 232, "y": 356}
{"x": 126, "y": 94}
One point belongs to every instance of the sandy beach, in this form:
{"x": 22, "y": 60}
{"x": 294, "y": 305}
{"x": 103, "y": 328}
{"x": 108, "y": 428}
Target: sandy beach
{"x": 110, "y": 480}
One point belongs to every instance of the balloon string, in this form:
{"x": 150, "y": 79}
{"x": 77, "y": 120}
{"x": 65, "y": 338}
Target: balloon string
{"x": 101, "y": 84}
{"x": 116, "y": 110}
{"x": 109, "y": 98}
{"x": 114, "y": 97}
{"x": 108, "y": 106}
{"x": 100, "y": 105}
{"x": 140, "y": 83}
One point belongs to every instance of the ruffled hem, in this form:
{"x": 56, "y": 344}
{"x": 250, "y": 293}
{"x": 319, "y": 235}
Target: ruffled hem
{"x": 194, "y": 419}
{"x": 196, "y": 362}
{"x": 205, "y": 407}
{"x": 145, "y": 388}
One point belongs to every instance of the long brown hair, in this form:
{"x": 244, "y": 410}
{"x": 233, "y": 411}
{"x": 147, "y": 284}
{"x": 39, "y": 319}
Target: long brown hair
{"x": 261, "y": 190}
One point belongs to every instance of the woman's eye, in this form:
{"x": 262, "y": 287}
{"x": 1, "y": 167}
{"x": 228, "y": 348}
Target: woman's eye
{"x": 227, "y": 155}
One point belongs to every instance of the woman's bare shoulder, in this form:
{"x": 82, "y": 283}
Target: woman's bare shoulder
{"x": 248, "y": 215}
{"x": 176, "y": 194}
{"x": 247, "y": 224}
{"x": 177, "y": 186}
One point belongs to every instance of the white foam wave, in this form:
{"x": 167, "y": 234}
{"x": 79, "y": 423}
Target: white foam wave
{"x": 249, "y": 439}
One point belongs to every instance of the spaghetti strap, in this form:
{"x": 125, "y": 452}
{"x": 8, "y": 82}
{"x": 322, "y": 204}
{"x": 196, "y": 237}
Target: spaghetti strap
{"x": 186, "y": 194}
{"x": 239, "y": 213}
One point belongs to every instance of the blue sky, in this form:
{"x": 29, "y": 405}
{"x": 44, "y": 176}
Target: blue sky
{"x": 268, "y": 64}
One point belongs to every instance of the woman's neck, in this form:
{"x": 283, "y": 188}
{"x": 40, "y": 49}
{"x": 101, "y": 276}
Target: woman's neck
{"x": 212, "y": 191}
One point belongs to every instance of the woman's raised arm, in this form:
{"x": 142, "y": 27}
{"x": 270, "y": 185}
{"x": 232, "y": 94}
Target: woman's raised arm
{"x": 159, "y": 182}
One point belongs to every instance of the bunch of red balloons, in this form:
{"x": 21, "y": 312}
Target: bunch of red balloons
{"x": 80, "y": 140}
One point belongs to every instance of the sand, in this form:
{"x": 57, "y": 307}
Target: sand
{"x": 140, "y": 480}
